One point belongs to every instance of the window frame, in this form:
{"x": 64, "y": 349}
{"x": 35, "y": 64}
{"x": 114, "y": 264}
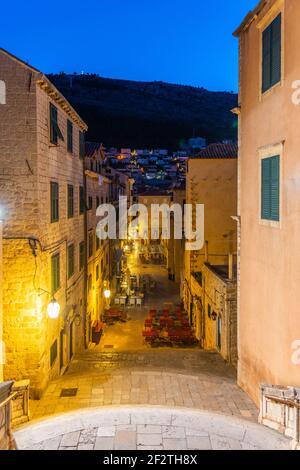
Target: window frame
{"x": 268, "y": 151}
{"x": 262, "y": 25}
{"x": 55, "y": 133}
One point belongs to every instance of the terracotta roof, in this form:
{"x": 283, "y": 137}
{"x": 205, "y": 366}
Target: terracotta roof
{"x": 218, "y": 151}
{"x": 91, "y": 148}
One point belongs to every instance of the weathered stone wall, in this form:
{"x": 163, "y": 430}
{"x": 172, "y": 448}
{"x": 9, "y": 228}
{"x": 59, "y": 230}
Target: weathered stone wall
{"x": 99, "y": 261}
{"x": 220, "y": 294}
{"x": 28, "y": 163}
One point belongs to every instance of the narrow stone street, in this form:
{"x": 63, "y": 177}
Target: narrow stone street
{"x": 123, "y": 394}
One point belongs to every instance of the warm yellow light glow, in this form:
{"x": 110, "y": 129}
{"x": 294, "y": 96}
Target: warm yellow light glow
{"x": 107, "y": 293}
{"x": 53, "y": 309}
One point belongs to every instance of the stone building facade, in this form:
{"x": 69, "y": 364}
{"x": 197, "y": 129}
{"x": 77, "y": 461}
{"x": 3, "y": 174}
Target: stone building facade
{"x": 41, "y": 176}
{"x": 269, "y": 197}
{"x": 209, "y": 285}
{"x": 98, "y": 251}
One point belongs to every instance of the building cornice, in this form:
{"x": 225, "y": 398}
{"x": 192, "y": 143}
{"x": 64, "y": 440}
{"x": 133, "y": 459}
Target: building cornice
{"x": 249, "y": 18}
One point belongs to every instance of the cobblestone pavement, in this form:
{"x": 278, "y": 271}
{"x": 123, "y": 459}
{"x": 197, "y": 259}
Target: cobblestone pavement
{"x": 189, "y": 378}
{"x": 147, "y": 429}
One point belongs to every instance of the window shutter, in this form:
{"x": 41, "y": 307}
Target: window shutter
{"x": 276, "y": 50}
{"x": 69, "y": 136}
{"x": 266, "y": 58}
{"x": 53, "y": 121}
{"x": 274, "y": 187}
{"x": 265, "y": 189}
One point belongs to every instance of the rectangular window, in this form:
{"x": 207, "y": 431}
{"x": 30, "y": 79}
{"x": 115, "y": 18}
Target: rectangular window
{"x": 270, "y": 188}
{"x": 70, "y": 261}
{"x": 271, "y": 54}
{"x": 55, "y": 273}
{"x": 53, "y": 353}
{"x": 70, "y": 201}
{"x": 91, "y": 247}
{"x": 55, "y": 132}
{"x": 81, "y": 255}
{"x": 81, "y": 200}
{"x": 70, "y": 136}
{"x": 81, "y": 145}
{"x": 54, "y": 201}
{"x": 208, "y": 310}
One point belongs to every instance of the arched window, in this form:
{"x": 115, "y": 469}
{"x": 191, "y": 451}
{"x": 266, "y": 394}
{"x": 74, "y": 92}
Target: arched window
{"x": 2, "y": 92}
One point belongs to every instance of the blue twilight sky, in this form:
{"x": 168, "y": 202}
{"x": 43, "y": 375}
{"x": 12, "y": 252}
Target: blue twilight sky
{"x": 178, "y": 41}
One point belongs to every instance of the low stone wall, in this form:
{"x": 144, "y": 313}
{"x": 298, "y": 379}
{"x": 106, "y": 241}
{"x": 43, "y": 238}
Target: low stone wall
{"x": 20, "y": 402}
{"x": 280, "y": 410}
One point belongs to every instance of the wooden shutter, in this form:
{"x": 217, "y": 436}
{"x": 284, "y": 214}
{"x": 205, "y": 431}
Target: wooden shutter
{"x": 54, "y": 197}
{"x": 270, "y": 188}
{"x": 70, "y": 261}
{"x": 271, "y": 54}
{"x": 69, "y": 136}
{"x": 53, "y": 121}
{"x": 266, "y": 59}
{"x": 70, "y": 200}
{"x": 265, "y": 189}
{"x": 276, "y": 51}
{"x": 274, "y": 187}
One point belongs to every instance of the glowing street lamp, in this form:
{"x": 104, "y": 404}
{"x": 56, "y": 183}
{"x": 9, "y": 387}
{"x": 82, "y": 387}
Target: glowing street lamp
{"x": 53, "y": 309}
{"x": 107, "y": 294}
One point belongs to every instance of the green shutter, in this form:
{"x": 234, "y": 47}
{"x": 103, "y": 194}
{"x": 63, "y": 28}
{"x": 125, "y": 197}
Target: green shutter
{"x": 69, "y": 136}
{"x": 70, "y": 261}
{"x": 271, "y": 54}
{"x": 270, "y": 188}
{"x": 275, "y": 188}
{"x": 55, "y": 273}
{"x": 53, "y": 121}
{"x": 54, "y": 201}
{"x": 276, "y": 51}
{"x": 265, "y": 189}
{"x": 266, "y": 59}
{"x": 70, "y": 201}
